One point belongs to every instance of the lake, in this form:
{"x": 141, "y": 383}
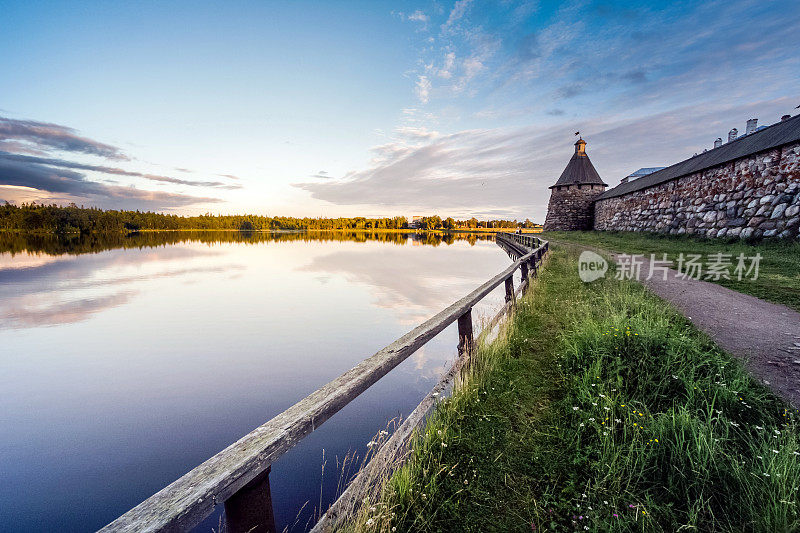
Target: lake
{"x": 126, "y": 361}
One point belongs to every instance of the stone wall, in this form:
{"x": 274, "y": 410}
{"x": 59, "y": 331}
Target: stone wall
{"x": 755, "y": 196}
{"x": 571, "y": 208}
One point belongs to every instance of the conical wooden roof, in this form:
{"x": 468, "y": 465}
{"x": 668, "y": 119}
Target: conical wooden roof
{"x": 580, "y": 170}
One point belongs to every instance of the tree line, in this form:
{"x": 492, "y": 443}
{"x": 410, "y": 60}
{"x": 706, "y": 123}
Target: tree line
{"x": 73, "y": 219}
{"x": 435, "y": 222}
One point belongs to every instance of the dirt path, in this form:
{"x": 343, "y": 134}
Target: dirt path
{"x": 766, "y": 336}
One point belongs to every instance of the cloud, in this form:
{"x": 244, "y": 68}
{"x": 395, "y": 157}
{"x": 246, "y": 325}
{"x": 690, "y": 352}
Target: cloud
{"x": 56, "y": 137}
{"x": 111, "y": 170}
{"x": 634, "y": 76}
{"x": 419, "y": 16}
{"x": 423, "y": 89}
{"x": 29, "y": 173}
{"x": 470, "y": 172}
{"x": 569, "y": 91}
{"x": 615, "y": 59}
{"x": 446, "y": 71}
{"x": 506, "y": 172}
{"x": 46, "y": 180}
{"x": 322, "y": 175}
{"x": 416, "y": 133}
{"x": 529, "y": 48}
{"x": 457, "y": 13}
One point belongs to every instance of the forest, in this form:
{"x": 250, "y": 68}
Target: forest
{"x": 40, "y": 218}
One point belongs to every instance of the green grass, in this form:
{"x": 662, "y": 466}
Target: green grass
{"x": 779, "y": 272}
{"x": 598, "y": 408}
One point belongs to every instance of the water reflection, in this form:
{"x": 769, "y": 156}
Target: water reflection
{"x": 33, "y": 264}
{"x": 128, "y": 360}
{"x": 31, "y": 243}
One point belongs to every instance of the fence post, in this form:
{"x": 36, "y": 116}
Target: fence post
{"x": 250, "y": 509}
{"x": 465, "y": 333}
{"x": 510, "y": 289}
{"x": 524, "y": 268}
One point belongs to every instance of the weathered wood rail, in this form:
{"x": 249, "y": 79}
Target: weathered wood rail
{"x": 238, "y": 476}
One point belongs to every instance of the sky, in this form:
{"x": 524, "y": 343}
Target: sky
{"x": 372, "y": 108}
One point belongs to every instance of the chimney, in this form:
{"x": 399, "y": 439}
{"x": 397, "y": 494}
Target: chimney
{"x": 732, "y": 134}
{"x": 752, "y": 124}
{"x": 718, "y": 142}
{"x": 785, "y": 117}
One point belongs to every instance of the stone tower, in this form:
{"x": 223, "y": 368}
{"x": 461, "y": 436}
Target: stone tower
{"x": 571, "y": 198}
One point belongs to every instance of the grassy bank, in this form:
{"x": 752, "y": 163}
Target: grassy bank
{"x": 598, "y": 408}
{"x": 779, "y": 272}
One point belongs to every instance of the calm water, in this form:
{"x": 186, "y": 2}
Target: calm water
{"x": 127, "y": 361}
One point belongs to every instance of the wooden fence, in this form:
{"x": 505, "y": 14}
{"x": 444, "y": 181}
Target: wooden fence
{"x": 238, "y": 476}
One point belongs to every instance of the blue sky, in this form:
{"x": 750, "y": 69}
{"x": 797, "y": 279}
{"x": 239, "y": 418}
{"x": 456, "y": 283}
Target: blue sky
{"x": 372, "y": 108}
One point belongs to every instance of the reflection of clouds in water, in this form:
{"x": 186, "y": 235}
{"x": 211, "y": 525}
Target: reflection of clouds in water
{"x": 430, "y": 368}
{"x": 436, "y": 279}
{"x": 10, "y": 261}
{"x": 22, "y": 314}
{"x": 38, "y": 292}
{"x": 415, "y": 285}
{"x": 124, "y": 280}
{"x": 51, "y": 275}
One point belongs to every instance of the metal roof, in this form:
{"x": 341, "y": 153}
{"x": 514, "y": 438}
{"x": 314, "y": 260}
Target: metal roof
{"x": 779, "y": 134}
{"x": 579, "y": 169}
{"x": 644, "y": 172}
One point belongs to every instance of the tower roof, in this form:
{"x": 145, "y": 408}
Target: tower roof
{"x": 580, "y": 170}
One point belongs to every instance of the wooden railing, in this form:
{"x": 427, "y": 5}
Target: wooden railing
{"x": 238, "y": 476}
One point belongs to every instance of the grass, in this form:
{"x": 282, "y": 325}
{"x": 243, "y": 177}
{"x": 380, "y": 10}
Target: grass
{"x": 779, "y": 269}
{"x": 598, "y": 408}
